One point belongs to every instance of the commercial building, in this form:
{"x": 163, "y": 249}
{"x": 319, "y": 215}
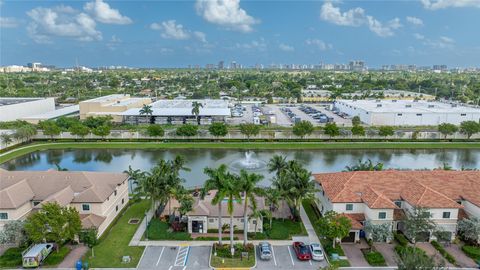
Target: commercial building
{"x": 12, "y": 109}
{"x": 64, "y": 111}
{"x": 386, "y": 196}
{"x": 407, "y": 112}
{"x": 179, "y": 111}
{"x": 113, "y": 105}
{"x": 97, "y": 196}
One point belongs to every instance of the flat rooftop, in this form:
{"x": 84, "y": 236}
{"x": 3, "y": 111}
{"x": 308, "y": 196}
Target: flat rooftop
{"x": 109, "y": 98}
{"x": 54, "y": 114}
{"x": 183, "y": 107}
{"x": 406, "y": 106}
{"x": 5, "y": 101}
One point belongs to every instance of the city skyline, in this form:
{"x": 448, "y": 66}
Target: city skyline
{"x": 177, "y": 34}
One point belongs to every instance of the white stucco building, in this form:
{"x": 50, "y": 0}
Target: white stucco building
{"x": 407, "y": 112}
{"x": 12, "y": 109}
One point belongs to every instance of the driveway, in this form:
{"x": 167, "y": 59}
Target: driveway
{"x": 432, "y": 252}
{"x": 462, "y": 259}
{"x": 283, "y": 257}
{"x": 388, "y": 252}
{"x": 355, "y": 255}
{"x": 174, "y": 258}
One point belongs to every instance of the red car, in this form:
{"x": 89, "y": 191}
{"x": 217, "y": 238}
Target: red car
{"x": 302, "y": 251}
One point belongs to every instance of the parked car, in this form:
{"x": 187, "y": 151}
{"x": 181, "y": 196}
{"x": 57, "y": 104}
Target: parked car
{"x": 36, "y": 254}
{"x": 317, "y": 253}
{"x": 265, "y": 250}
{"x": 302, "y": 251}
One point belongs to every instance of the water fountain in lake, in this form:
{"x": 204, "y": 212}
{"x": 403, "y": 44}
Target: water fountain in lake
{"x": 249, "y": 163}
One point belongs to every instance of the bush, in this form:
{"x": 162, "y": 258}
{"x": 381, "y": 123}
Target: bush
{"x": 187, "y": 130}
{"x": 213, "y": 238}
{"x": 472, "y": 252}
{"x": 57, "y": 257}
{"x": 11, "y": 258}
{"x": 374, "y": 258}
{"x": 444, "y": 253}
{"x": 155, "y": 131}
{"x": 328, "y": 247}
{"x": 401, "y": 249}
{"x": 400, "y": 238}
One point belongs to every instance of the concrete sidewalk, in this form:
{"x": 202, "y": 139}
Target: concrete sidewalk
{"x": 312, "y": 235}
{"x": 137, "y": 237}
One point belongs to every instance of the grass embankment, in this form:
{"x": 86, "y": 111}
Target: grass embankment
{"x": 39, "y": 146}
{"x": 224, "y": 259}
{"x": 313, "y": 214}
{"x": 114, "y": 244}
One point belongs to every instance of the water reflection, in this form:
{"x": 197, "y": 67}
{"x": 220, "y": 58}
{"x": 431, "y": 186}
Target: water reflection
{"x": 118, "y": 160}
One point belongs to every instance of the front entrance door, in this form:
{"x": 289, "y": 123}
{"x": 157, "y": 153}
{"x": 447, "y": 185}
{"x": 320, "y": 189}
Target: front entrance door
{"x": 350, "y": 238}
{"x": 197, "y": 226}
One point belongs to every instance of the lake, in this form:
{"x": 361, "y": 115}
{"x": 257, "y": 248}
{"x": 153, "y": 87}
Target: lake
{"x": 322, "y": 160}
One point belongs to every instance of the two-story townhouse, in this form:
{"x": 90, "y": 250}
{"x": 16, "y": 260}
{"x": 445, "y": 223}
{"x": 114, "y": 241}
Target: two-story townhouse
{"x": 97, "y": 196}
{"x": 385, "y": 196}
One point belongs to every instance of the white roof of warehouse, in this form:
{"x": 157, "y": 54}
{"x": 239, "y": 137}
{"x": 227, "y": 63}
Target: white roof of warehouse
{"x": 54, "y": 114}
{"x": 400, "y": 106}
{"x": 183, "y": 107}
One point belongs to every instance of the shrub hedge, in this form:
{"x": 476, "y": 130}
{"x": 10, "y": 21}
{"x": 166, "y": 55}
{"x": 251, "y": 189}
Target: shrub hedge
{"x": 472, "y": 252}
{"x": 400, "y": 238}
{"x": 444, "y": 253}
{"x": 375, "y": 258}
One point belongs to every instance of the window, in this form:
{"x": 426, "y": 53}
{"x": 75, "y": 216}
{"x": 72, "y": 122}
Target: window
{"x": 382, "y": 215}
{"x": 399, "y": 114}
{"x": 211, "y": 220}
{"x": 398, "y": 203}
{"x": 446, "y": 215}
{"x": 254, "y": 222}
{"x": 115, "y": 193}
{"x": 123, "y": 201}
{"x": 35, "y": 203}
{"x": 349, "y": 207}
{"x": 463, "y": 114}
{"x": 116, "y": 208}
{"x": 86, "y": 207}
{"x": 419, "y": 114}
{"x": 3, "y": 215}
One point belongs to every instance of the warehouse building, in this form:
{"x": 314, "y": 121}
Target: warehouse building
{"x": 407, "y": 112}
{"x": 179, "y": 111}
{"x": 12, "y": 109}
{"x": 113, "y": 105}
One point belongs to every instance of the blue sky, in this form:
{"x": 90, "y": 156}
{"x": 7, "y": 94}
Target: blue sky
{"x": 178, "y": 33}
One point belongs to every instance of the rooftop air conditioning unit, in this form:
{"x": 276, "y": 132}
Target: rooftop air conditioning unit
{"x": 394, "y": 100}
{"x": 431, "y": 106}
{"x": 408, "y": 106}
{"x": 379, "y": 105}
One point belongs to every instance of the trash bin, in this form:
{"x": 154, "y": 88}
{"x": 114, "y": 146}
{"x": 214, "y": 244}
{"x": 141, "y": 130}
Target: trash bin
{"x": 78, "y": 265}
{"x": 85, "y": 266}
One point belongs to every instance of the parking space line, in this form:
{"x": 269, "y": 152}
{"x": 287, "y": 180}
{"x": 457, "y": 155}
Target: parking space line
{"x": 290, "y": 253}
{"x": 159, "y": 257}
{"x": 182, "y": 256}
{"x": 170, "y": 268}
{"x": 274, "y": 260}
{"x": 310, "y": 261}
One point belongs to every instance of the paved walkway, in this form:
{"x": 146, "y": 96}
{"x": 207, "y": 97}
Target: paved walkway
{"x": 312, "y": 235}
{"x": 432, "y": 252}
{"x": 355, "y": 255}
{"x": 388, "y": 252}
{"x": 462, "y": 259}
{"x": 75, "y": 254}
{"x": 137, "y": 237}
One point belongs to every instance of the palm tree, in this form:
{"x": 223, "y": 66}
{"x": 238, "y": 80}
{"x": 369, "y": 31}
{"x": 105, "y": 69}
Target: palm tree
{"x": 273, "y": 197}
{"x": 266, "y": 214}
{"x": 256, "y": 214}
{"x": 248, "y": 185}
{"x": 6, "y": 139}
{"x": 147, "y": 111}
{"x": 196, "y": 109}
{"x": 217, "y": 180}
{"x": 232, "y": 191}
{"x": 276, "y": 164}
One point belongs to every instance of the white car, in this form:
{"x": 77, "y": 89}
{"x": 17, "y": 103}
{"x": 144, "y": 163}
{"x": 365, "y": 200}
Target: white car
{"x": 317, "y": 253}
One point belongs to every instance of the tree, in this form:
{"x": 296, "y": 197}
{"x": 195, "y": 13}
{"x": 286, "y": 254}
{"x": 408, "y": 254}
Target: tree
{"x": 186, "y": 204}
{"x": 232, "y": 192}
{"x": 303, "y": 128}
{"x": 356, "y": 120}
{"x": 101, "y": 131}
{"x": 79, "y": 130}
{"x": 469, "y": 128}
{"x": 155, "y": 131}
{"x": 276, "y": 164}
{"x": 358, "y": 130}
{"x": 54, "y": 223}
{"x": 89, "y": 237}
{"x": 334, "y": 226}
{"x": 411, "y": 258}
{"x": 249, "y": 130}
{"x": 386, "y": 131}
{"x": 378, "y": 232}
{"x": 196, "y": 109}
{"x": 249, "y": 187}
{"x": 25, "y": 132}
{"x": 417, "y": 221}
{"x": 147, "y": 111}
{"x": 365, "y": 166}
{"x": 94, "y": 122}
{"x": 217, "y": 180}
{"x": 218, "y": 129}
{"x": 13, "y": 233}
{"x": 469, "y": 229}
{"x": 447, "y": 129}
{"x": 6, "y": 139}
{"x": 188, "y": 130}
{"x": 273, "y": 197}
{"x": 50, "y": 128}
{"x": 331, "y": 129}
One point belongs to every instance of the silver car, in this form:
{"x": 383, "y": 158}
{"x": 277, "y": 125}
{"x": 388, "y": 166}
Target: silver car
{"x": 265, "y": 250}
{"x": 317, "y": 253}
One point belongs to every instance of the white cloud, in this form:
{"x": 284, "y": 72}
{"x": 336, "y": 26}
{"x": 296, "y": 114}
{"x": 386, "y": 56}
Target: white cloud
{"x": 320, "y": 44}
{"x": 103, "y": 13}
{"x": 200, "y": 36}
{"x": 414, "y": 20}
{"x": 226, "y": 13}
{"x": 441, "y": 4}
{"x": 357, "y": 17}
{"x": 8, "y": 22}
{"x": 59, "y": 22}
{"x": 442, "y": 42}
{"x": 253, "y": 45}
{"x": 286, "y": 48}
{"x": 171, "y": 30}
{"x": 447, "y": 39}
{"x": 419, "y": 36}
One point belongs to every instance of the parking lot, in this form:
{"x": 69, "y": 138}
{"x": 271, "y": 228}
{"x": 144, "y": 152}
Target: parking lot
{"x": 186, "y": 257}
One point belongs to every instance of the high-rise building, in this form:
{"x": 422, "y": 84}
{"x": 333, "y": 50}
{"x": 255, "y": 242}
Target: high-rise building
{"x": 220, "y": 64}
{"x": 357, "y": 65}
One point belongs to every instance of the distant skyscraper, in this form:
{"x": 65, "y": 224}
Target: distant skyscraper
{"x": 221, "y": 64}
{"x": 233, "y": 65}
{"x": 357, "y": 65}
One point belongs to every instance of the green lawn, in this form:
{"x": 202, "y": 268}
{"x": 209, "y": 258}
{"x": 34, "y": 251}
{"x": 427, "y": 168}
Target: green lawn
{"x": 39, "y": 146}
{"x": 11, "y": 258}
{"x": 158, "y": 230}
{"x": 223, "y": 259}
{"x": 114, "y": 245}
{"x": 285, "y": 229}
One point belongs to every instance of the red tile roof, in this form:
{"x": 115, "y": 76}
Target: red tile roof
{"x": 431, "y": 189}
{"x": 356, "y": 220}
